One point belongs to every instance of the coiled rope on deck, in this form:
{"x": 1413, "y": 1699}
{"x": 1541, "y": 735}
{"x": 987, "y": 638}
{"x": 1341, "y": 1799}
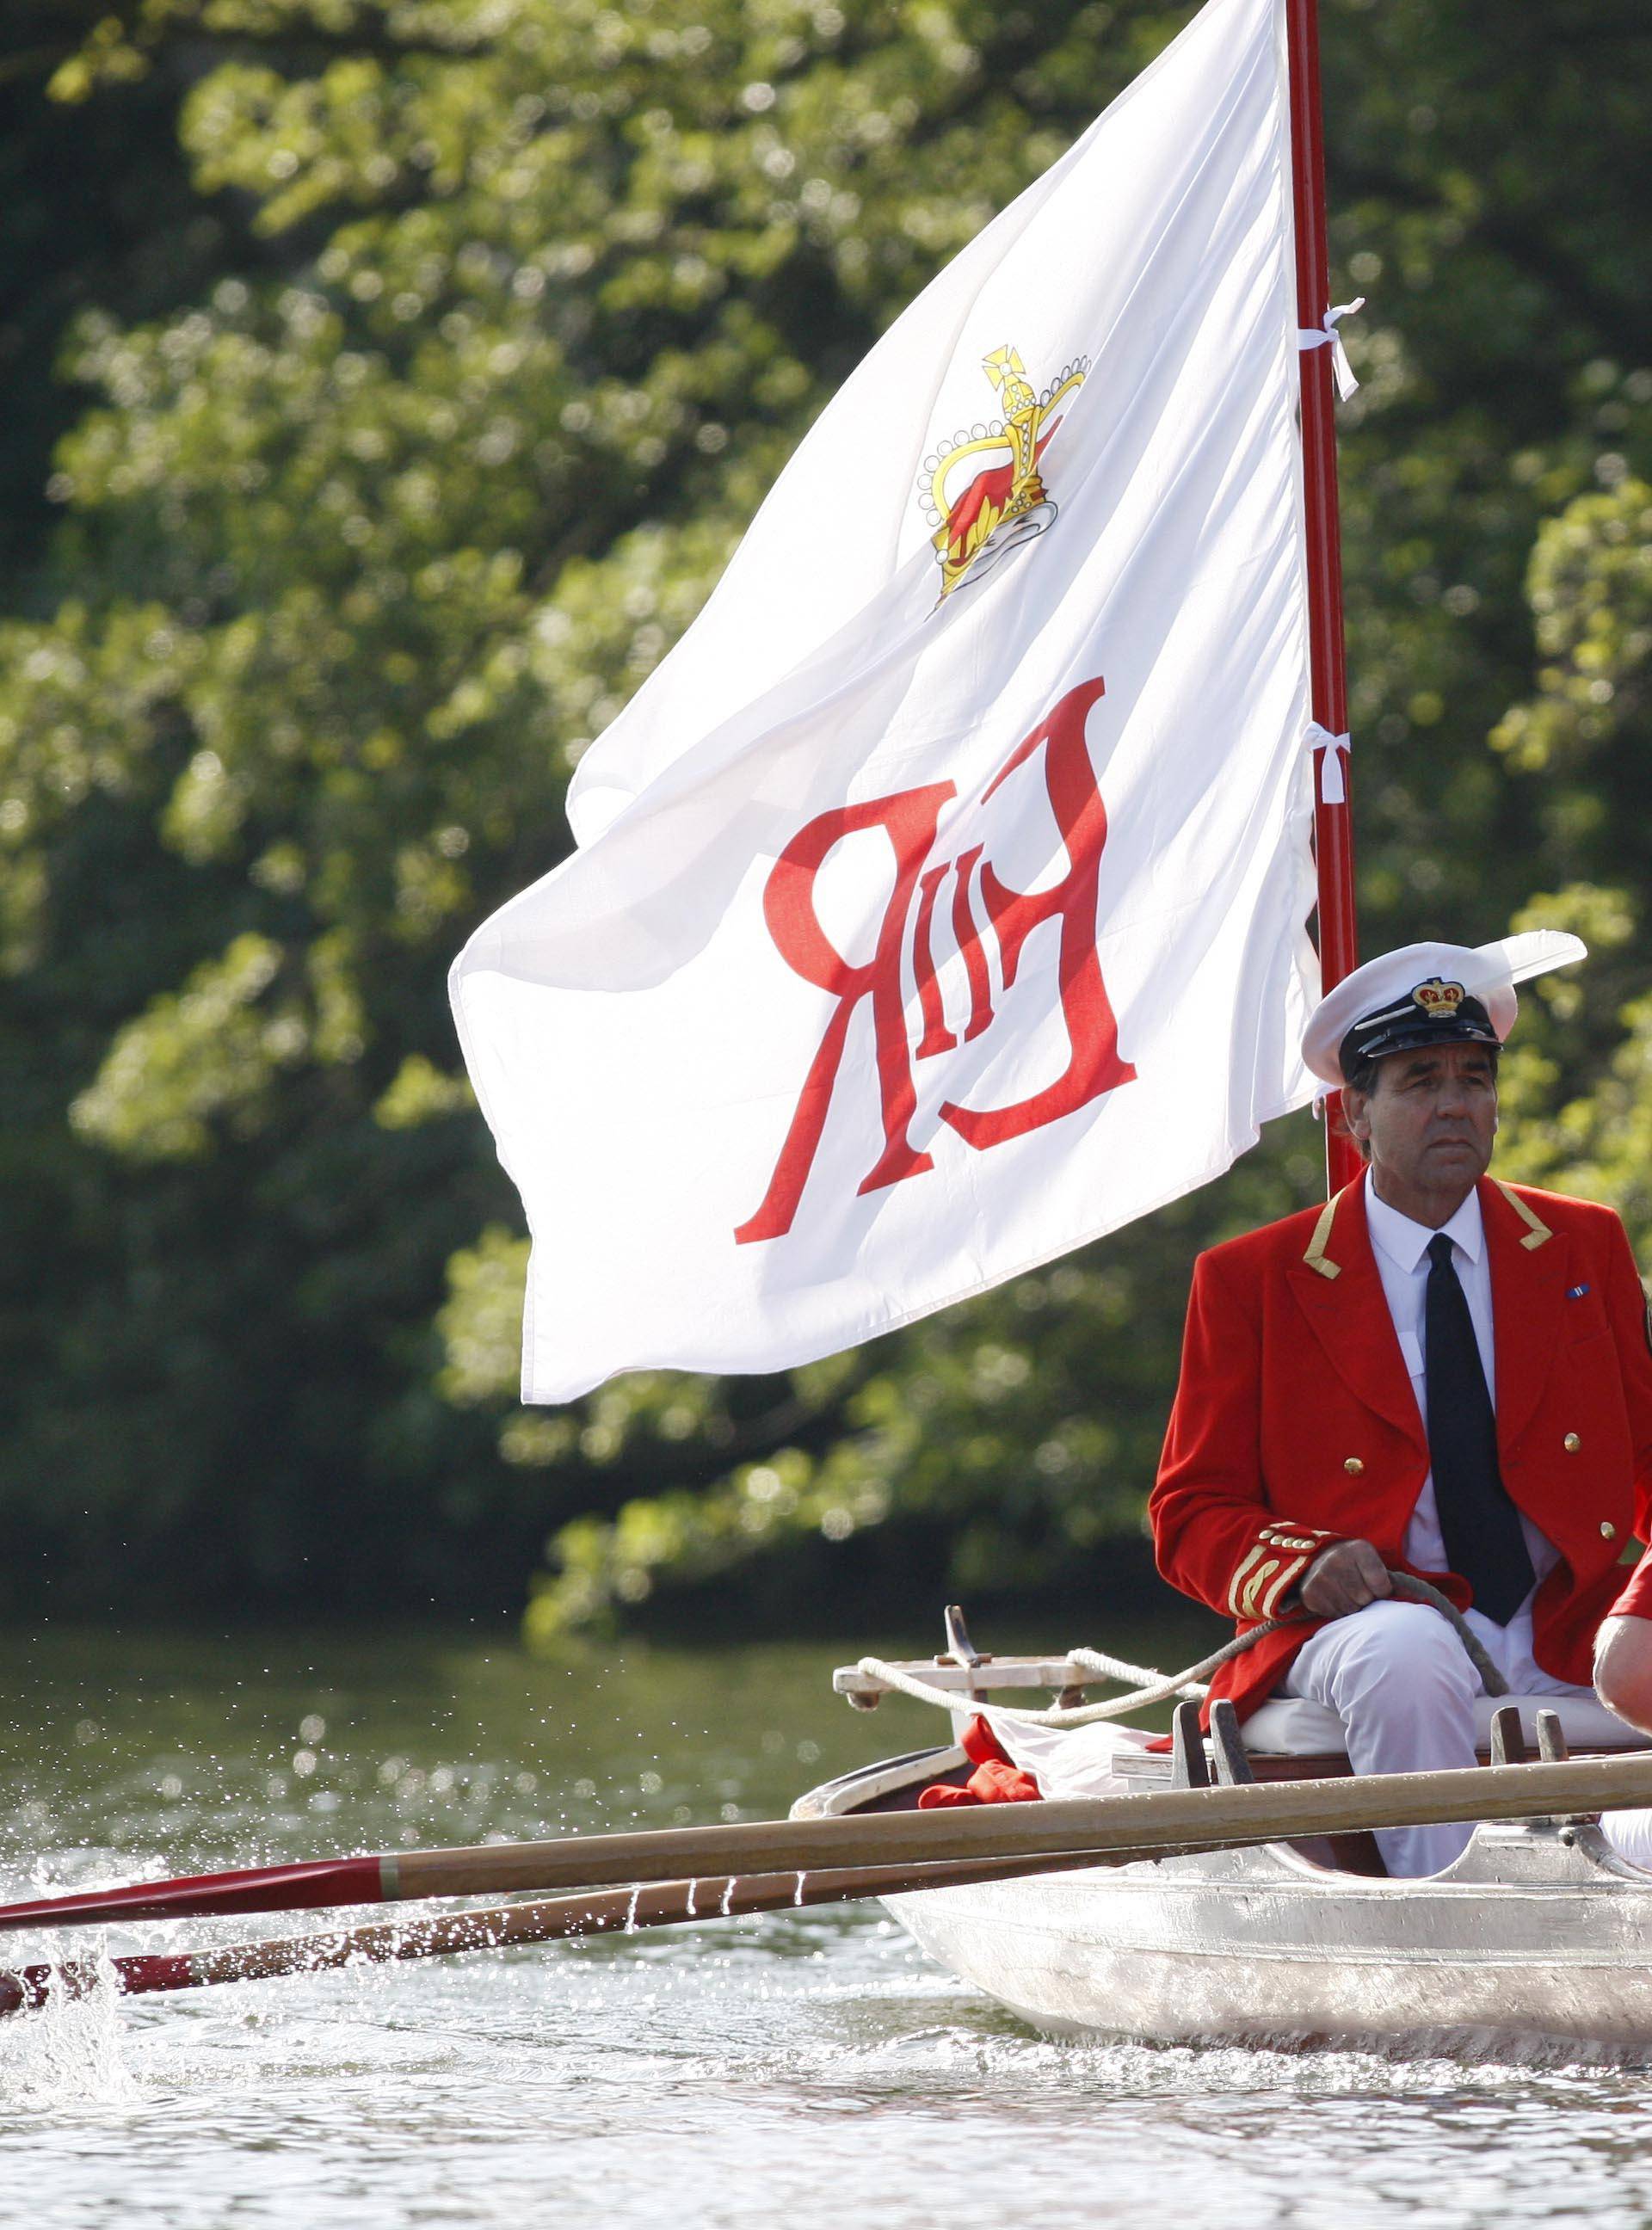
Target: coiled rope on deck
{"x": 1159, "y": 1686}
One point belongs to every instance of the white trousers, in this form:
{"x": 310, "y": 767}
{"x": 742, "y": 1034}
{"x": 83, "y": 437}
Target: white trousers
{"x": 1402, "y": 1683}
{"x": 1629, "y": 1834}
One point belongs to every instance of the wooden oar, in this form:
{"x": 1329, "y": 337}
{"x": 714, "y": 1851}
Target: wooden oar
{"x": 1092, "y": 1829}
{"x": 601, "y": 1913}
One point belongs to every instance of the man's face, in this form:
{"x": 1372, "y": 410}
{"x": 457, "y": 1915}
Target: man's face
{"x": 1431, "y": 1118}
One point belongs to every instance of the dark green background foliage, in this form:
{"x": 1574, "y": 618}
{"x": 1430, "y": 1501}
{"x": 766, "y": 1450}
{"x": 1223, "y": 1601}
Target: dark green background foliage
{"x": 386, "y": 385}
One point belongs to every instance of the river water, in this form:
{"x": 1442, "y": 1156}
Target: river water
{"x": 808, "y": 2069}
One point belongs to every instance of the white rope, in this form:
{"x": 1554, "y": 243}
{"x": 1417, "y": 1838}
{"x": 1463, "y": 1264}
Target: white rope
{"x": 1120, "y": 1668}
{"x": 1159, "y": 1685}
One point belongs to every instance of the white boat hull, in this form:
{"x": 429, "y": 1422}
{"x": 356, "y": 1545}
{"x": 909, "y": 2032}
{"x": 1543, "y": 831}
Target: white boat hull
{"x": 1257, "y": 1947}
{"x": 1536, "y": 1933}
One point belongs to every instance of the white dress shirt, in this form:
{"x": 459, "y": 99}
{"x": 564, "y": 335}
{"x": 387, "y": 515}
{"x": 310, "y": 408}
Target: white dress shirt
{"x": 1401, "y": 1250}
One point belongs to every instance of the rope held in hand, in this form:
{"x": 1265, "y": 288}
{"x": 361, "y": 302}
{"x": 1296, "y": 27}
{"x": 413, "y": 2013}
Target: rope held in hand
{"x": 1158, "y": 1686}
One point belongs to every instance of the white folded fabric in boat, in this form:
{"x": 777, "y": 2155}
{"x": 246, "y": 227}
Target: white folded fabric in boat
{"x": 1068, "y": 1761}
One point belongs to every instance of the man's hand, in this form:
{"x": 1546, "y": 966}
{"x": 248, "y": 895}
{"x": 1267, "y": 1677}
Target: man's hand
{"x": 1344, "y": 1579}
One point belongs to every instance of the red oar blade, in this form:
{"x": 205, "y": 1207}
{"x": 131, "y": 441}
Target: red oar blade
{"x": 30, "y": 1987}
{"x": 195, "y": 1896}
{"x": 658, "y": 1904}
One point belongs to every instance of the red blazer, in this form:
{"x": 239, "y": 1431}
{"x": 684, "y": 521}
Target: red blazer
{"x": 1294, "y": 1424}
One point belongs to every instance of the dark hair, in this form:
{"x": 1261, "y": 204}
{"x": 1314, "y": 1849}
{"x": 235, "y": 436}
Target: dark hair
{"x": 1362, "y": 1077}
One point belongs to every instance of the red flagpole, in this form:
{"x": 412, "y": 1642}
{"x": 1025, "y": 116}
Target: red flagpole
{"x": 1332, "y": 824}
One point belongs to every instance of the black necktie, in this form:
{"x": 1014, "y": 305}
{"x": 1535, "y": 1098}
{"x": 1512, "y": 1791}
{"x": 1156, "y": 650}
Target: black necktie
{"x": 1478, "y": 1523}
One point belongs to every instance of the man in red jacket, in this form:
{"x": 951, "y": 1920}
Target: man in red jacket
{"x": 1435, "y": 1373}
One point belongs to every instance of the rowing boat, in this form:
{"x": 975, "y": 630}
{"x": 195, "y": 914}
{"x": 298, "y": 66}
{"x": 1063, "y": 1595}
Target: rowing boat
{"x": 1539, "y": 1930}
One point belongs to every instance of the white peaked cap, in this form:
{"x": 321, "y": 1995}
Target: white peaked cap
{"x": 1387, "y": 989}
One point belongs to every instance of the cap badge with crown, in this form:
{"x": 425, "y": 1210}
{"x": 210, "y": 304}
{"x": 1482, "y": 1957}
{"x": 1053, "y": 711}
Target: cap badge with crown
{"x": 1439, "y": 999}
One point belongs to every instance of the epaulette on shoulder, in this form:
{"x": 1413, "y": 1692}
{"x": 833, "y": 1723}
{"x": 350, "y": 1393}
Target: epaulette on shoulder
{"x": 1537, "y": 1231}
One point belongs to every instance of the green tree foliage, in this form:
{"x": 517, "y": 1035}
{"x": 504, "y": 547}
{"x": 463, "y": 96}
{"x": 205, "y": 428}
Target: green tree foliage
{"x": 398, "y": 444}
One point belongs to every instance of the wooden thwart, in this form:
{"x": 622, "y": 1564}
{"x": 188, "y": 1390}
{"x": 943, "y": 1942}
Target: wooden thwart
{"x": 969, "y": 1679}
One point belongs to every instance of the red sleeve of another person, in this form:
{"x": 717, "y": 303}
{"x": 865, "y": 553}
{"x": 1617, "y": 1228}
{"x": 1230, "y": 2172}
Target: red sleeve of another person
{"x": 1632, "y": 1327}
{"x": 1635, "y": 1601}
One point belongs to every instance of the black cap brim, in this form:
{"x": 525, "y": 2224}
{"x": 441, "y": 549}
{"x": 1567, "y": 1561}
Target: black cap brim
{"x": 1378, "y": 1036}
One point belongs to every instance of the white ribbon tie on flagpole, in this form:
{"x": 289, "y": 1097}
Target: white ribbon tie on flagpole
{"x": 1332, "y": 788}
{"x": 1328, "y": 337}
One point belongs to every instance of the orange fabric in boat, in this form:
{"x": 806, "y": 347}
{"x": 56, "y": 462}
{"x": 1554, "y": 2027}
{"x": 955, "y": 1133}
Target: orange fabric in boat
{"x": 997, "y": 1779}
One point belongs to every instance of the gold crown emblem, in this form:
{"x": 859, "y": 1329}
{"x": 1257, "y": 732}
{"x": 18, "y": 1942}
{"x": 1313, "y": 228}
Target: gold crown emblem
{"x": 981, "y": 492}
{"x": 1438, "y": 999}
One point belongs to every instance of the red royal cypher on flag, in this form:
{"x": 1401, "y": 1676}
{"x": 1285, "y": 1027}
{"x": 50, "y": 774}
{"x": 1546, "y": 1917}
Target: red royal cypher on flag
{"x": 911, "y": 820}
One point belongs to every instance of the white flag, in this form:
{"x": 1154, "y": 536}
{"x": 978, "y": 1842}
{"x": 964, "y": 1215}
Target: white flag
{"x": 940, "y": 900}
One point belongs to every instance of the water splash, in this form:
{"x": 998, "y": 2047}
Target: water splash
{"x": 692, "y": 1909}
{"x": 725, "y": 1903}
{"x": 70, "y": 2053}
{"x": 630, "y": 1910}
{"x": 797, "y": 1893}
